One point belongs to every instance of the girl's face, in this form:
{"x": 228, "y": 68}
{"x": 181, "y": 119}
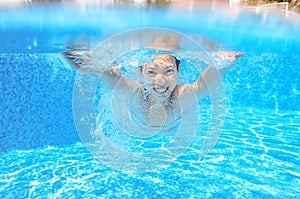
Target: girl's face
{"x": 161, "y": 76}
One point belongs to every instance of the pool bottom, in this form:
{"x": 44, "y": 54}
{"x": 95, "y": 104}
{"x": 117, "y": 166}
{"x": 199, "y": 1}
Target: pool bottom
{"x": 257, "y": 156}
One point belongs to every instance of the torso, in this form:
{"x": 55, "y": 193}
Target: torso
{"x": 157, "y": 115}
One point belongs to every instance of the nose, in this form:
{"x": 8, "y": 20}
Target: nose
{"x": 160, "y": 79}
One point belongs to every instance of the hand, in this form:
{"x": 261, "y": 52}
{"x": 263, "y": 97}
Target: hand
{"x": 84, "y": 63}
{"x": 79, "y": 60}
{"x": 225, "y": 60}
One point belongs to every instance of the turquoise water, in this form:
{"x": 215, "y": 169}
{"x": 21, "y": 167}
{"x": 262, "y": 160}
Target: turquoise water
{"x": 42, "y": 156}
{"x": 257, "y": 156}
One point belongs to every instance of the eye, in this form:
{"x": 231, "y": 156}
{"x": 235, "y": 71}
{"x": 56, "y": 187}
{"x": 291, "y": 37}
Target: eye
{"x": 150, "y": 72}
{"x": 169, "y": 71}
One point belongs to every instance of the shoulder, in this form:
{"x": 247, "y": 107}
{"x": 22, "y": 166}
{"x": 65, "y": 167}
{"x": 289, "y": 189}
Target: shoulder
{"x": 129, "y": 84}
{"x": 186, "y": 97}
{"x": 182, "y": 90}
{"x": 185, "y": 93}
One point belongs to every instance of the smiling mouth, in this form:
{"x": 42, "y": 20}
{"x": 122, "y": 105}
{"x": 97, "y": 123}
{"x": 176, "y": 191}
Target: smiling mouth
{"x": 161, "y": 91}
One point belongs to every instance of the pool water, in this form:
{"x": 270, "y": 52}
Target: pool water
{"x": 42, "y": 156}
{"x": 257, "y": 156}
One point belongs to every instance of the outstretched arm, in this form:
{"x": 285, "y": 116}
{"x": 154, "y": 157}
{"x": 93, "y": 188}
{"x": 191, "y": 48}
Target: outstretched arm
{"x": 109, "y": 76}
{"x": 211, "y": 78}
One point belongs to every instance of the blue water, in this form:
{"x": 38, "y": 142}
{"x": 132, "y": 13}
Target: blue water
{"x": 42, "y": 156}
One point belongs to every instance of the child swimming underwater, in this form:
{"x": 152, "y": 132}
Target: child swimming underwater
{"x": 157, "y": 97}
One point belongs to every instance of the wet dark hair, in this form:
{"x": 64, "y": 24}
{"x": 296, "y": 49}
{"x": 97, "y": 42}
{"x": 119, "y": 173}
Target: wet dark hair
{"x": 177, "y": 61}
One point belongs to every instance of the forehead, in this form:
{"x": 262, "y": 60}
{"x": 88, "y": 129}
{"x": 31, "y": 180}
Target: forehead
{"x": 162, "y": 61}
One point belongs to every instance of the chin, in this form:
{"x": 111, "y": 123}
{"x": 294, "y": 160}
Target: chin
{"x": 162, "y": 97}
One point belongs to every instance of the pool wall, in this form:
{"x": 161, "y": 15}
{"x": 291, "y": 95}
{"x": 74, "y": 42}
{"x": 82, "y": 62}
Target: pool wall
{"x": 36, "y": 101}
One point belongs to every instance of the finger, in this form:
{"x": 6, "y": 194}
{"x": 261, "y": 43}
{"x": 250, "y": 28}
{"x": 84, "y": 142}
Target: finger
{"x": 239, "y": 54}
